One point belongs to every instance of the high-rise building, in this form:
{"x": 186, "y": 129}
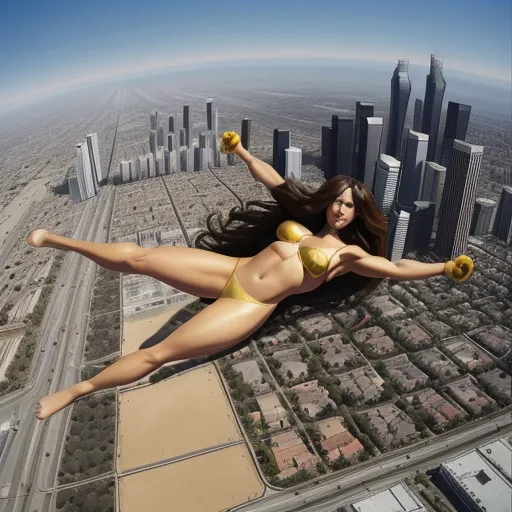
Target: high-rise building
{"x": 160, "y": 161}
{"x": 293, "y": 162}
{"x": 281, "y": 142}
{"x": 183, "y": 137}
{"x": 74, "y": 189}
{"x": 433, "y": 184}
{"x": 202, "y": 140}
{"x": 411, "y": 174}
{"x": 458, "y": 199}
{"x": 124, "y": 169}
{"x": 370, "y": 134}
{"x": 386, "y": 181}
{"x": 209, "y": 114}
{"x": 215, "y": 142}
{"x": 171, "y": 124}
{"x": 133, "y": 171}
{"x": 363, "y": 110}
{"x": 94, "y": 156}
{"x": 456, "y": 127}
{"x": 142, "y": 166}
{"x": 171, "y": 141}
{"x": 151, "y": 164}
{"x": 482, "y": 215}
{"x": 434, "y": 93}
{"x": 340, "y": 158}
{"x": 246, "y": 133}
{"x": 398, "y": 223}
{"x": 418, "y": 115}
{"x": 420, "y": 227}
{"x": 326, "y": 149}
{"x": 190, "y": 159}
{"x": 400, "y": 93}
{"x": 152, "y": 142}
{"x": 160, "y": 136}
{"x": 503, "y": 222}
{"x": 86, "y": 180}
{"x": 152, "y": 120}
{"x": 186, "y": 124}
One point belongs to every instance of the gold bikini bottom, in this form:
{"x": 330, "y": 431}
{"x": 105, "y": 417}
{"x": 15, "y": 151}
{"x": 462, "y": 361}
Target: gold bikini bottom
{"x": 234, "y": 290}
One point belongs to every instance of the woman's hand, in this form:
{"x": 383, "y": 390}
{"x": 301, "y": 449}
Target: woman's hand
{"x": 459, "y": 270}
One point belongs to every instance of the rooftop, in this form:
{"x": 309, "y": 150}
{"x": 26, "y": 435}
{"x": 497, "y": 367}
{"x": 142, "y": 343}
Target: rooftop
{"x": 481, "y": 481}
{"x": 397, "y": 499}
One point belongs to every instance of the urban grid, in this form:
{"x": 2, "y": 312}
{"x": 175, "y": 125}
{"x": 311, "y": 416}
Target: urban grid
{"x": 399, "y": 402}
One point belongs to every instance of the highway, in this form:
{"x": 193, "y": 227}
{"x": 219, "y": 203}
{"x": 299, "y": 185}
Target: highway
{"x": 26, "y": 469}
{"x": 358, "y": 482}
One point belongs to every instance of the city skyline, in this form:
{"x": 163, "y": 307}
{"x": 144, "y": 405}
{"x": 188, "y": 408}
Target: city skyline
{"x": 53, "y": 53}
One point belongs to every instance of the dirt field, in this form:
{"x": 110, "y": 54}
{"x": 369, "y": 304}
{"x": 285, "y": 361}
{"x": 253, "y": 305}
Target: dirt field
{"x": 181, "y": 415}
{"x": 139, "y": 328}
{"x": 32, "y": 192}
{"x": 207, "y": 483}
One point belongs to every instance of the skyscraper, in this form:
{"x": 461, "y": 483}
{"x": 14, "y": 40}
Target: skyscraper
{"x": 362, "y": 110}
{"x": 94, "y": 156}
{"x": 386, "y": 181}
{"x": 370, "y": 134}
{"x": 85, "y": 178}
{"x": 434, "y": 93}
{"x": 171, "y": 124}
{"x": 458, "y": 199}
{"x": 152, "y": 119}
{"x": 186, "y": 124}
{"x": 124, "y": 169}
{"x": 246, "y": 133}
{"x": 326, "y": 149}
{"x": 281, "y": 142}
{"x": 503, "y": 223}
{"x": 418, "y": 115}
{"x": 457, "y": 122}
{"x": 420, "y": 227}
{"x": 293, "y": 162}
{"x": 171, "y": 141}
{"x": 400, "y": 93}
{"x": 209, "y": 116}
{"x": 411, "y": 174}
{"x": 152, "y": 142}
{"x": 215, "y": 141}
{"x": 398, "y": 223}
{"x": 433, "y": 184}
{"x": 183, "y": 137}
{"x": 160, "y": 136}
{"x": 482, "y": 215}
{"x": 340, "y": 158}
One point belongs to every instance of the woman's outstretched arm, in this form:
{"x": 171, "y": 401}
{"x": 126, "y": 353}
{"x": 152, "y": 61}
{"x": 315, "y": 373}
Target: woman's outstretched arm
{"x": 378, "y": 267}
{"x": 260, "y": 171}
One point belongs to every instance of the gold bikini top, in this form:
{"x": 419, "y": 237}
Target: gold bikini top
{"x": 314, "y": 260}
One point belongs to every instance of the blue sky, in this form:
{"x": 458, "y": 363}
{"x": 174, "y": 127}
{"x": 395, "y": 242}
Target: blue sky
{"x": 48, "y": 46}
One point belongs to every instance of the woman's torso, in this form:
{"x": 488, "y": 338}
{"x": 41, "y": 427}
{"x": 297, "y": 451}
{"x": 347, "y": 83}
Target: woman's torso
{"x": 278, "y": 270}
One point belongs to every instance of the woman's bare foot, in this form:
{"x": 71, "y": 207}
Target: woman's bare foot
{"x": 53, "y": 403}
{"x": 38, "y": 237}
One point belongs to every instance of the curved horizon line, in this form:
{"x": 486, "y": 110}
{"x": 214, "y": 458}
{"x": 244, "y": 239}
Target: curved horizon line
{"x": 85, "y": 80}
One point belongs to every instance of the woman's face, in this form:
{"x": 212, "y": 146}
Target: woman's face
{"x": 341, "y": 212}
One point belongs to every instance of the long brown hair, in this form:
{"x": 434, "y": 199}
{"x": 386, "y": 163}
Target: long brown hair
{"x": 248, "y": 231}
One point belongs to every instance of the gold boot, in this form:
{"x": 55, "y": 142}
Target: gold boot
{"x": 229, "y": 142}
{"x": 459, "y": 270}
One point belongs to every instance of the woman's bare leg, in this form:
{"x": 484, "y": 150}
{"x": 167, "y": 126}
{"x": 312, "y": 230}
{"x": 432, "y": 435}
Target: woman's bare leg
{"x": 194, "y": 271}
{"x": 219, "y": 326}
{"x": 113, "y": 256}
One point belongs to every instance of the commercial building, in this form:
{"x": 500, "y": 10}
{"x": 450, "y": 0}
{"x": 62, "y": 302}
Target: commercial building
{"x": 456, "y": 127}
{"x": 363, "y": 110}
{"x": 400, "y": 93}
{"x": 326, "y": 150}
{"x": 398, "y": 224}
{"x": 246, "y": 133}
{"x": 411, "y": 174}
{"x": 483, "y": 213}
{"x": 503, "y": 223}
{"x": 398, "y": 498}
{"x": 386, "y": 181}
{"x": 340, "y": 148}
{"x": 434, "y": 176}
{"x": 434, "y": 94}
{"x": 458, "y": 199}
{"x": 418, "y": 115}
{"x": 293, "y": 164}
{"x": 420, "y": 227}
{"x": 370, "y": 134}
{"x": 280, "y": 144}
